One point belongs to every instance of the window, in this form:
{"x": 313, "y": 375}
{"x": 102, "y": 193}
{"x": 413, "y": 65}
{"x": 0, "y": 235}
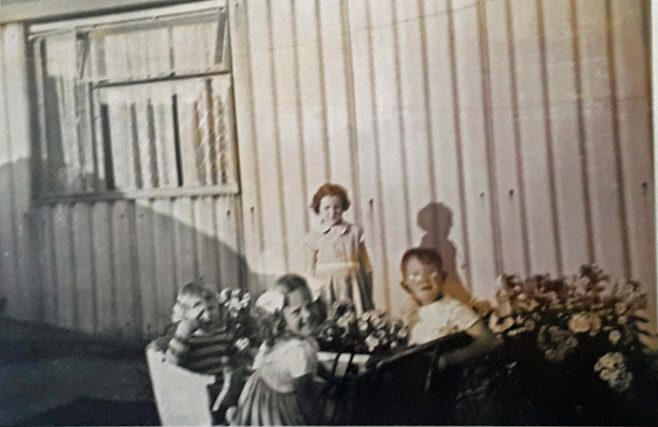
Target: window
{"x": 136, "y": 103}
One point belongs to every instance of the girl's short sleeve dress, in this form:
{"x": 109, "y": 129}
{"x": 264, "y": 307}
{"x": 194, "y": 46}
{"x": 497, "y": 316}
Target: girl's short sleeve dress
{"x": 339, "y": 267}
{"x": 268, "y": 397}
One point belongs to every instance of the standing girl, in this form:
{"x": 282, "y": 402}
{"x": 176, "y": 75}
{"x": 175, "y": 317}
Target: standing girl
{"x": 337, "y": 262}
{"x": 280, "y": 391}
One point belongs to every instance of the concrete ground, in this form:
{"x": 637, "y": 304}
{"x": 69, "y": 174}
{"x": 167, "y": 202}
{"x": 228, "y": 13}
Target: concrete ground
{"x": 50, "y": 376}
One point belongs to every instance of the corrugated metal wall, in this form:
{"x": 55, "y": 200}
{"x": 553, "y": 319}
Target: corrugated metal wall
{"x": 513, "y": 135}
{"x": 115, "y": 267}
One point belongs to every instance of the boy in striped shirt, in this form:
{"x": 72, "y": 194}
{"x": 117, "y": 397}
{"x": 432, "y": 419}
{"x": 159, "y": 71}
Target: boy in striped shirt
{"x": 200, "y": 341}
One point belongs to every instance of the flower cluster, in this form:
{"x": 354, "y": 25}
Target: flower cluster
{"x": 556, "y": 343}
{"x": 235, "y": 307}
{"x": 560, "y": 318}
{"x": 372, "y": 332}
{"x": 612, "y": 369}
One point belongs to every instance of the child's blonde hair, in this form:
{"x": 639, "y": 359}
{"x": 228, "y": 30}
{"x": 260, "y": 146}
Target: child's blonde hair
{"x": 271, "y": 323}
{"x": 186, "y": 298}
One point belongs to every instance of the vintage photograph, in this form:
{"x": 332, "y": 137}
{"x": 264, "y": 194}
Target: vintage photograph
{"x": 327, "y": 212}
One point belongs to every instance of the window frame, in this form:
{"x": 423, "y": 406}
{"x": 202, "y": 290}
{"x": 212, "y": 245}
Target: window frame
{"x": 133, "y": 19}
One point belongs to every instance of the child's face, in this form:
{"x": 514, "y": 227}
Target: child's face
{"x": 331, "y": 210}
{"x": 297, "y": 313}
{"x": 205, "y": 311}
{"x": 423, "y": 281}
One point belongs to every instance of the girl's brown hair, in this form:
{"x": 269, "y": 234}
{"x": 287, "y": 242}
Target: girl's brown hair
{"x": 330, "y": 189}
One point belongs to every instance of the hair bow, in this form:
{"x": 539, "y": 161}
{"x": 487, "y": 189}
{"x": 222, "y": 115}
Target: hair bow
{"x": 271, "y": 301}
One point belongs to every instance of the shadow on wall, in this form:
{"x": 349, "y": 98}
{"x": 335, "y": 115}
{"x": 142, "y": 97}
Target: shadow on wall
{"x": 435, "y": 219}
{"x": 113, "y": 268}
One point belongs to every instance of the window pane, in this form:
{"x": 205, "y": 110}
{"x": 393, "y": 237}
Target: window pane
{"x": 145, "y": 120}
{"x": 205, "y": 118}
{"x": 196, "y": 44}
{"x": 66, "y": 149}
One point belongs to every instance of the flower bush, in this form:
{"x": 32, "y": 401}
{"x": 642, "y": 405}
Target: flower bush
{"x": 235, "y": 309}
{"x": 372, "y": 332}
{"x": 572, "y": 345}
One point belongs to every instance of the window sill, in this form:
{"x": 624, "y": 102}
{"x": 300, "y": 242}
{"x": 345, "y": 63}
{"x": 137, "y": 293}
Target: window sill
{"x": 158, "y": 193}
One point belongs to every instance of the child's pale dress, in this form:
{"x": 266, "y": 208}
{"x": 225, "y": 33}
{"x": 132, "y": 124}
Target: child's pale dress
{"x": 442, "y": 317}
{"x": 338, "y": 267}
{"x": 268, "y": 397}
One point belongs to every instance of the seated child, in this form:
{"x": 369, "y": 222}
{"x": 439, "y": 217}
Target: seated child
{"x": 281, "y": 389}
{"x": 198, "y": 341}
{"x": 439, "y": 315}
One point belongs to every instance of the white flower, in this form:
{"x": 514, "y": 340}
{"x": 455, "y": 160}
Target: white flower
{"x": 242, "y": 344}
{"x": 224, "y": 295}
{"x": 614, "y": 336}
{"x": 235, "y": 293}
{"x": 372, "y": 342}
{"x": 606, "y": 374}
{"x": 610, "y": 360}
{"x": 346, "y": 320}
{"x": 271, "y": 301}
{"x": 579, "y": 323}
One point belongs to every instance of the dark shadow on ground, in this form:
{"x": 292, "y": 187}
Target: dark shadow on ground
{"x": 97, "y": 412}
{"x": 51, "y": 376}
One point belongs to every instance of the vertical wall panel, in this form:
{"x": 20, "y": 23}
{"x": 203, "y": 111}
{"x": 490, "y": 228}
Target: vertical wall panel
{"x": 128, "y": 312}
{"x": 84, "y": 260}
{"x": 369, "y": 166}
{"x": 15, "y": 179}
{"x": 165, "y": 260}
{"x": 387, "y": 119}
{"x": 229, "y": 249}
{"x": 64, "y": 264}
{"x": 246, "y": 134}
{"x": 145, "y": 235}
{"x": 632, "y": 106}
{"x": 504, "y": 138}
{"x": 572, "y": 188}
{"x": 330, "y": 27}
{"x": 447, "y": 215}
{"x": 413, "y": 114}
{"x": 275, "y": 247}
{"x": 47, "y": 267}
{"x": 185, "y": 251}
{"x": 104, "y": 269}
{"x": 599, "y": 123}
{"x": 206, "y": 250}
{"x": 472, "y": 123}
{"x": 311, "y": 95}
{"x": 293, "y": 194}
{"x": 534, "y": 142}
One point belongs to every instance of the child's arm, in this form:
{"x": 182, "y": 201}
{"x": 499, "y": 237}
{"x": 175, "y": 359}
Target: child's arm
{"x": 178, "y": 344}
{"x": 484, "y": 341}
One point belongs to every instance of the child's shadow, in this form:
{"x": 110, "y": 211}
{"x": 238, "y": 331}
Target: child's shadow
{"x": 435, "y": 219}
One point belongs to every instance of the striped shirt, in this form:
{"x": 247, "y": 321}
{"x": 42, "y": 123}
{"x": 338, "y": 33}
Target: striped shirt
{"x": 206, "y": 353}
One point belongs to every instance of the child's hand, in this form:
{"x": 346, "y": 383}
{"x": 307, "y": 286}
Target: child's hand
{"x": 188, "y": 326}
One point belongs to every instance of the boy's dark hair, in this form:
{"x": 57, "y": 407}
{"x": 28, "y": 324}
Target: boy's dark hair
{"x": 330, "y": 189}
{"x": 424, "y": 255}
